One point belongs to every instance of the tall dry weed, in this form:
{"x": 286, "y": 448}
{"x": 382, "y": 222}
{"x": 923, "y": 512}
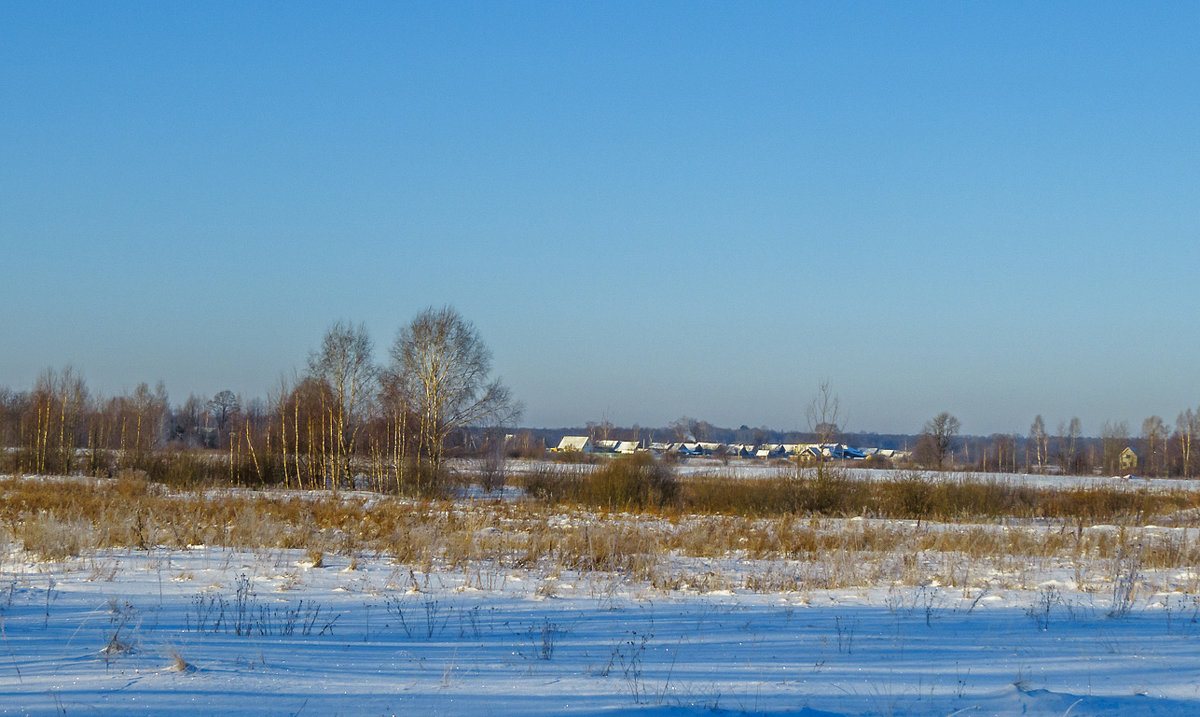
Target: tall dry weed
{"x": 53, "y": 538}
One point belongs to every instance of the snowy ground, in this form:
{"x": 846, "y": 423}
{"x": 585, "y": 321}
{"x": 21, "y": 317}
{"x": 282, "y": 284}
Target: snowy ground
{"x": 208, "y": 630}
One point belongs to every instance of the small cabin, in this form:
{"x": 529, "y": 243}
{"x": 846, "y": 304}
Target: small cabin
{"x": 1128, "y": 460}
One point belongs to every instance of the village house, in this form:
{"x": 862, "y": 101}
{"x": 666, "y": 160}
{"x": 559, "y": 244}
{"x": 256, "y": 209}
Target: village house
{"x": 1128, "y": 460}
{"x": 575, "y": 444}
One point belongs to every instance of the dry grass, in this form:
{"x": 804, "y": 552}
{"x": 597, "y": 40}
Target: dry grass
{"x": 53, "y": 538}
{"x": 178, "y": 663}
{"x": 664, "y": 544}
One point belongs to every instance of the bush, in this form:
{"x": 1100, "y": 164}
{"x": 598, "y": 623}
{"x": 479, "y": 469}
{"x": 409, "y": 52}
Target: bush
{"x": 551, "y": 485}
{"x": 736, "y": 496}
{"x": 100, "y": 463}
{"x": 911, "y": 495}
{"x": 423, "y": 479}
{"x": 632, "y": 482}
{"x": 132, "y": 484}
{"x": 876, "y": 461}
{"x": 574, "y": 457}
{"x": 185, "y": 469}
{"x": 492, "y": 471}
{"x": 55, "y": 539}
{"x": 824, "y": 489}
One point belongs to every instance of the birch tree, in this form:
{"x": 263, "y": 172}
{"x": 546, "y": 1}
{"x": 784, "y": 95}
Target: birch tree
{"x": 344, "y": 364}
{"x": 1187, "y": 425}
{"x": 59, "y": 398}
{"x": 1037, "y": 436}
{"x": 441, "y": 368}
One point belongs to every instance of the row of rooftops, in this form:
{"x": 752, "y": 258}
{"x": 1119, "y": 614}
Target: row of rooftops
{"x": 584, "y": 444}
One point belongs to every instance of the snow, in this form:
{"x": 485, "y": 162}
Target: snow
{"x": 210, "y": 629}
{"x": 101, "y": 633}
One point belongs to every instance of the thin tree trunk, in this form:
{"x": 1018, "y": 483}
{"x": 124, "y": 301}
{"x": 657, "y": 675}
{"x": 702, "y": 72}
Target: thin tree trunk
{"x": 253, "y": 455}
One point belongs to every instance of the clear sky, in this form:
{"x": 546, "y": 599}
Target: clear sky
{"x": 648, "y": 209}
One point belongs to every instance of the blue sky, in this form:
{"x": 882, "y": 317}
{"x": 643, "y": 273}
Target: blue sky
{"x": 648, "y": 209}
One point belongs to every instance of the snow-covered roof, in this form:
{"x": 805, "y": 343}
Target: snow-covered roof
{"x": 573, "y": 443}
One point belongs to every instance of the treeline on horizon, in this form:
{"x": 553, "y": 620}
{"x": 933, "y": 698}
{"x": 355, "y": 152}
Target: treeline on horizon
{"x": 344, "y": 417}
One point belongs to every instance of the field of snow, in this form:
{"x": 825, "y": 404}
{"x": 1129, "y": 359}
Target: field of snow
{"x": 492, "y": 613}
{"x": 208, "y": 630}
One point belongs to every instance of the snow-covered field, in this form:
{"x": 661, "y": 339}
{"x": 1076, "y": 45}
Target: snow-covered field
{"x": 207, "y": 630}
{"x": 885, "y": 617}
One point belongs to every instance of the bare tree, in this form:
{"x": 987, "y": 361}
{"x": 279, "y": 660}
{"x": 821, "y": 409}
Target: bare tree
{"x": 149, "y": 413}
{"x": 13, "y": 405}
{"x": 344, "y": 364}
{"x": 685, "y": 429}
{"x": 599, "y": 431}
{"x": 1155, "y": 433}
{"x": 186, "y": 419}
{"x": 59, "y": 399}
{"x": 1187, "y": 425}
{"x": 937, "y": 440}
{"x": 1074, "y": 431}
{"x": 440, "y": 366}
{"x": 222, "y": 407}
{"x": 1114, "y": 437}
{"x": 824, "y": 414}
{"x": 1039, "y": 439}
{"x": 1004, "y": 447}
{"x": 493, "y": 469}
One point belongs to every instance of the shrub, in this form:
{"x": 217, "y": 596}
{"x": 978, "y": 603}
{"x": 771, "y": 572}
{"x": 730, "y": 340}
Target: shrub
{"x": 574, "y": 457}
{"x": 132, "y": 484}
{"x": 422, "y": 479}
{"x": 824, "y": 489}
{"x": 185, "y": 469}
{"x": 551, "y": 485}
{"x": 876, "y": 461}
{"x": 492, "y": 472}
{"x": 632, "y": 482}
{"x": 54, "y": 539}
{"x": 909, "y": 495}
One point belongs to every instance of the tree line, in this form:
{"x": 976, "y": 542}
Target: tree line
{"x": 342, "y": 419}
{"x": 1161, "y": 450}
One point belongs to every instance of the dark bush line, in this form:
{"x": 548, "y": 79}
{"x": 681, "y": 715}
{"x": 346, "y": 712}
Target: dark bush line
{"x": 917, "y": 497}
{"x": 641, "y": 483}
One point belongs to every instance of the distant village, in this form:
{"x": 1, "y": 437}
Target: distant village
{"x": 795, "y": 451}
{"x": 1004, "y": 453}
{"x": 1125, "y": 460}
